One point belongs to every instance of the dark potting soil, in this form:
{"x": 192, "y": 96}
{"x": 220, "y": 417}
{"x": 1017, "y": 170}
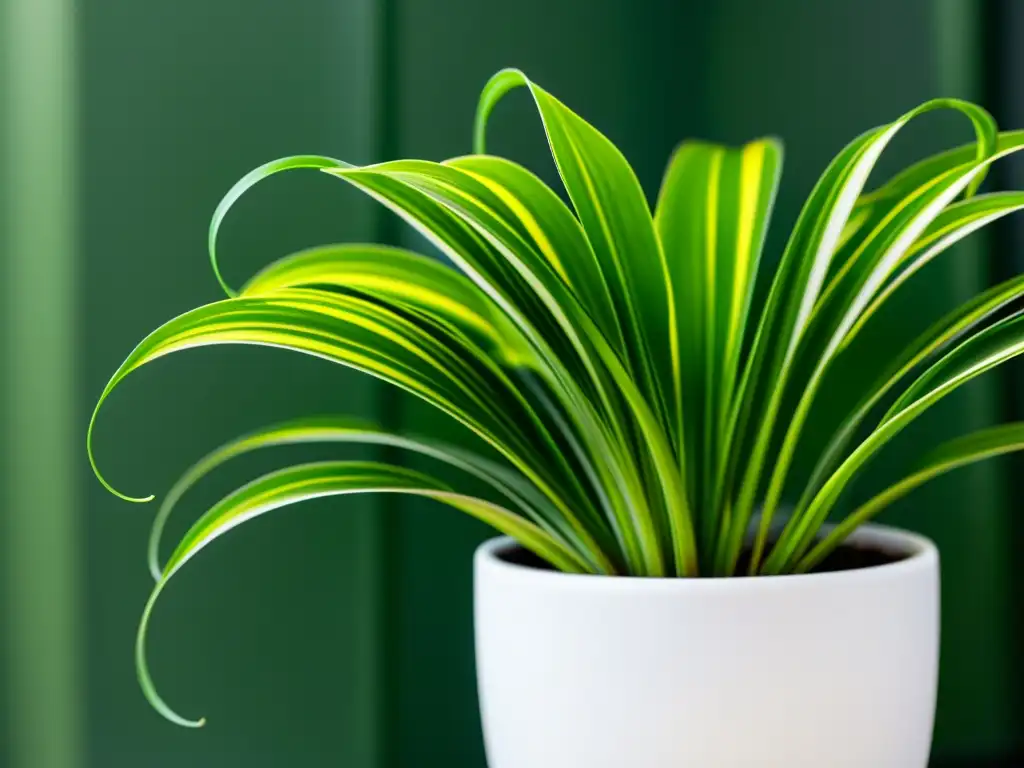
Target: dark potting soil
{"x": 845, "y": 558}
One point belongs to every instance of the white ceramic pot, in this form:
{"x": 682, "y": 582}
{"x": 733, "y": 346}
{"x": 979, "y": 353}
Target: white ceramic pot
{"x": 813, "y": 671}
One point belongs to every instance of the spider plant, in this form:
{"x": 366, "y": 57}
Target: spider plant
{"x": 635, "y": 406}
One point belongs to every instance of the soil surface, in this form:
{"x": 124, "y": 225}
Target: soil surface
{"x": 845, "y": 558}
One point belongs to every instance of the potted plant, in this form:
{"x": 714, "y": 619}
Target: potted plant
{"x": 638, "y": 413}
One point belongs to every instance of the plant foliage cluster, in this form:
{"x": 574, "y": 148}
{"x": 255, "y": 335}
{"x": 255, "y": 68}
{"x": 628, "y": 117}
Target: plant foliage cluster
{"x": 638, "y": 404}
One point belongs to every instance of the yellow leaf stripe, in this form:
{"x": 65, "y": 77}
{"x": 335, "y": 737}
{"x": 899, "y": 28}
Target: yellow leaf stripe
{"x": 753, "y": 160}
{"x": 527, "y": 220}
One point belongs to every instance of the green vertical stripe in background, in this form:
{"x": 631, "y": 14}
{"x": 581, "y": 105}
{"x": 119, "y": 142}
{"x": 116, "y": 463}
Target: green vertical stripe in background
{"x": 1004, "y": 81}
{"x": 975, "y": 719}
{"x": 39, "y": 539}
{"x": 385, "y": 531}
{"x": 274, "y": 636}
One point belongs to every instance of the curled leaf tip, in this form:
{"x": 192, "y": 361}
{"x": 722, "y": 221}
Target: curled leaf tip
{"x": 114, "y": 491}
{"x": 242, "y": 186}
{"x": 142, "y": 668}
{"x": 103, "y": 480}
{"x": 214, "y": 264}
{"x": 177, "y": 719}
{"x": 501, "y": 83}
{"x": 183, "y": 722}
{"x": 133, "y": 499}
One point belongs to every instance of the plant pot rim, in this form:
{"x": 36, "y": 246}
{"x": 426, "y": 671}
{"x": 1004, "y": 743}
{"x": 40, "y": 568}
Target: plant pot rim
{"x": 917, "y": 553}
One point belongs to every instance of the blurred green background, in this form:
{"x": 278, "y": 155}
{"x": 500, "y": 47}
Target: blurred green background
{"x": 340, "y": 633}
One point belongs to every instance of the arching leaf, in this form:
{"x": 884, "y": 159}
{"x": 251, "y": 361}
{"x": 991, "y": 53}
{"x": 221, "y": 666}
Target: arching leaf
{"x": 310, "y": 481}
{"x": 517, "y": 492}
{"x": 960, "y": 452}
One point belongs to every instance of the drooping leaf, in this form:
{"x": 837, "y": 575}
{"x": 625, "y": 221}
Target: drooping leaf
{"x": 310, "y": 481}
{"x": 445, "y": 371}
{"x": 518, "y": 493}
{"x": 991, "y": 347}
{"x": 247, "y": 182}
{"x": 949, "y": 227}
{"x": 959, "y": 452}
{"x": 957, "y": 324}
{"x": 404, "y": 279}
{"x": 935, "y": 165}
{"x": 562, "y": 351}
{"x": 466, "y": 221}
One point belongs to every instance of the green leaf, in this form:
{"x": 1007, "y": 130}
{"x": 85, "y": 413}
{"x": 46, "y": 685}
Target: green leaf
{"x": 444, "y": 370}
{"x": 968, "y": 449}
{"x": 956, "y": 325}
{"x": 512, "y": 486}
{"x": 797, "y": 281}
{"x": 979, "y": 353}
{"x": 243, "y": 185}
{"x": 517, "y": 278}
{"x": 426, "y": 288}
{"x": 309, "y": 481}
{"x": 948, "y": 228}
{"x": 993, "y": 342}
{"x": 711, "y": 218}
{"x": 544, "y": 223}
{"x": 888, "y": 242}
{"x": 522, "y": 285}
{"x": 464, "y": 219}
{"x": 914, "y": 176}
{"x": 614, "y": 214}
{"x": 403, "y": 279}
